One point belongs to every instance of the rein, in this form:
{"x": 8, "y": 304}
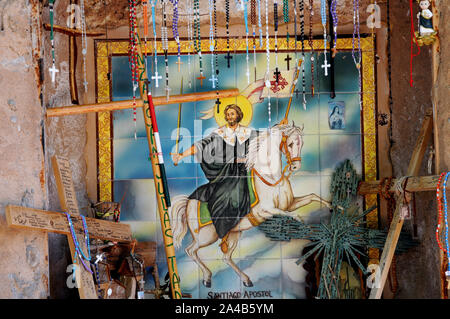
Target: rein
{"x": 285, "y": 151}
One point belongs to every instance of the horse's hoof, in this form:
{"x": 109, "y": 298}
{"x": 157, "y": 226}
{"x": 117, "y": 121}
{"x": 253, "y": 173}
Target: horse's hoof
{"x": 207, "y": 283}
{"x": 248, "y": 283}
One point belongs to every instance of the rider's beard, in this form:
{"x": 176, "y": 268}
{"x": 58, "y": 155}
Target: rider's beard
{"x": 231, "y": 122}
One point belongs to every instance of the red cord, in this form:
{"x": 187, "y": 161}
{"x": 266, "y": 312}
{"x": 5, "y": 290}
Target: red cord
{"x": 413, "y": 39}
{"x": 439, "y": 202}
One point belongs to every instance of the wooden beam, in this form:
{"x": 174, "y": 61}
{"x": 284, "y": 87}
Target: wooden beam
{"x": 397, "y": 222}
{"x": 70, "y": 31}
{"x": 415, "y": 184}
{"x": 68, "y": 201}
{"x": 121, "y": 105}
{"x": 55, "y": 222}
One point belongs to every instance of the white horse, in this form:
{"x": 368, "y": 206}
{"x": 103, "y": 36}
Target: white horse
{"x": 273, "y": 189}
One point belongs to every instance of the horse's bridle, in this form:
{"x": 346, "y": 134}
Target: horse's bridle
{"x": 284, "y": 149}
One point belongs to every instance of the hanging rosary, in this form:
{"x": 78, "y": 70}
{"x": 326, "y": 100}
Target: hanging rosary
{"x": 176, "y": 35}
{"x": 213, "y": 78}
{"x": 439, "y": 202}
{"x": 165, "y": 47}
{"x": 145, "y": 17}
{"x": 253, "y": 21}
{"x": 198, "y": 39}
{"x": 311, "y": 42}
{"x": 335, "y": 25}
{"x": 357, "y": 57}
{"x": 260, "y": 24}
{"x": 268, "y": 85}
{"x": 216, "y": 57}
{"x": 132, "y": 56}
{"x": 413, "y": 40}
{"x": 190, "y": 40}
{"x": 78, "y": 250}
{"x": 155, "y": 77}
{"x": 53, "y": 70}
{"x": 227, "y": 18}
{"x": 245, "y": 3}
{"x": 295, "y": 32}
{"x": 323, "y": 13}
{"x": 286, "y": 18}
{"x": 444, "y": 193}
{"x": 275, "y": 19}
{"x": 83, "y": 44}
{"x": 302, "y": 38}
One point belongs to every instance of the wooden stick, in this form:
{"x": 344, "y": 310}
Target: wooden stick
{"x": 48, "y": 221}
{"x": 75, "y": 32}
{"x": 157, "y": 101}
{"x": 397, "y": 222}
{"x": 162, "y": 208}
{"x": 415, "y": 184}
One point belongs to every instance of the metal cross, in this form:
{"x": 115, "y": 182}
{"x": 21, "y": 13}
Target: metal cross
{"x": 156, "y": 77}
{"x": 228, "y": 57}
{"x": 326, "y": 65}
{"x": 277, "y": 75}
{"x": 53, "y": 70}
{"x": 287, "y": 59}
{"x": 213, "y": 79}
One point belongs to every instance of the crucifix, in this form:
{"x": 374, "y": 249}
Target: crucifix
{"x": 277, "y": 75}
{"x": 156, "y": 77}
{"x": 29, "y": 218}
{"x": 179, "y": 64}
{"x": 201, "y": 78}
{"x": 53, "y": 70}
{"x": 72, "y": 33}
{"x": 287, "y": 59}
{"x": 326, "y": 65}
{"x": 213, "y": 80}
{"x": 297, "y": 92}
{"x": 218, "y": 105}
{"x": 228, "y": 57}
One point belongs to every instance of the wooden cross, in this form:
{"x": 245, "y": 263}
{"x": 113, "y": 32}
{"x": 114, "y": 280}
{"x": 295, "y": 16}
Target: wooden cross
{"x": 228, "y": 57}
{"x": 179, "y": 64}
{"x": 201, "y": 78}
{"x": 397, "y": 221}
{"x": 277, "y": 75}
{"x": 296, "y": 93}
{"x": 29, "y": 218}
{"x": 287, "y": 59}
{"x": 72, "y": 33}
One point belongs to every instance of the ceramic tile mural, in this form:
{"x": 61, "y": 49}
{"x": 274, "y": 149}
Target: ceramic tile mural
{"x": 270, "y": 265}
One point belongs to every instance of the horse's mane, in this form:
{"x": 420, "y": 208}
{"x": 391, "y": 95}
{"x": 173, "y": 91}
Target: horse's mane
{"x": 261, "y": 139}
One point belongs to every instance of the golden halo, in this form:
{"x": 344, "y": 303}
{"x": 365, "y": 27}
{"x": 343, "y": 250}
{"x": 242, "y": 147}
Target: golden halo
{"x": 242, "y": 102}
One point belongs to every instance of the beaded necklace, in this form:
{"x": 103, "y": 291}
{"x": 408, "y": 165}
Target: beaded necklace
{"x": 165, "y": 47}
{"x": 53, "y": 70}
{"x": 311, "y": 42}
{"x": 295, "y": 32}
{"x": 357, "y": 57}
{"x": 83, "y": 44}
{"x": 213, "y": 78}
{"x": 198, "y": 39}
{"x": 268, "y": 85}
{"x": 335, "y": 24}
{"x": 132, "y": 56}
{"x": 227, "y": 18}
{"x": 275, "y": 21}
{"x": 190, "y": 40}
{"x": 439, "y": 202}
{"x": 253, "y": 21}
{"x": 155, "y": 77}
{"x": 78, "y": 250}
{"x": 286, "y": 18}
{"x": 176, "y": 35}
{"x": 323, "y": 14}
{"x": 145, "y": 17}
{"x": 245, "y": 3}
{"x": 216, "y": 56}
{"x": 302, "y": 38}
{"x": 260, "y": 24}
{"x": 447, "y": 273}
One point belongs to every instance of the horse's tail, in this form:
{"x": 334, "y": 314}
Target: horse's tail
{"x": 178, "y": 218}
